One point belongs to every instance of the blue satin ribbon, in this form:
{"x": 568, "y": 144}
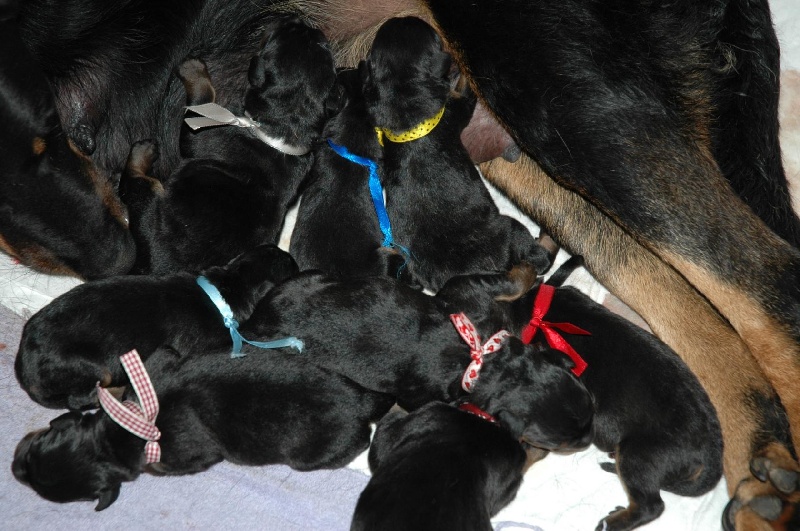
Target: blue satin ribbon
{"x": 376, "y": 191}
{"x": 233, "y": 325}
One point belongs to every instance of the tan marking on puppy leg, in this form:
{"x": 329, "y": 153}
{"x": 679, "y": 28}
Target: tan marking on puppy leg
{"x": 38, "y": 145}
{"x": 532, "y": 455}
{"x": 774, "y": 349}
{"x": 524, "y": 277}
{"x": 672, "y": 308}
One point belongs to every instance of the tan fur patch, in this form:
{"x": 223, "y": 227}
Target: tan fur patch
{"x": 774, "y": 349}
{"x": 38, "y": 145}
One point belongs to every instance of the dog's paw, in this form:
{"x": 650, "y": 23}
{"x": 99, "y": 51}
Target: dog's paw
{"x": 143, "y": 154}
{"x": 771, "y": 498}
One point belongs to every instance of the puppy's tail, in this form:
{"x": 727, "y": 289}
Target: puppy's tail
{"x": 561, "y": 274}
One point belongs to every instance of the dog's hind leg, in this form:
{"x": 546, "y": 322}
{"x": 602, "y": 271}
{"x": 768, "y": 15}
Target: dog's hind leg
{"x": 752, "y": 420}
{"x": 746, "y": 65}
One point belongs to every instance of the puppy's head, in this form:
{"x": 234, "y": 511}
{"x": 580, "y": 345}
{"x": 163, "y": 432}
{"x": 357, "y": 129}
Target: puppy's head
{"x": 245, "y": 280}
{"x": 530, "y": 390}
{"x": 70, "y": 462}
{"x": 406, "y": 74}
{"x": 292, "y": 79}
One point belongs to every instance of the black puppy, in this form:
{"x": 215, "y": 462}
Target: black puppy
{"x": 235, "y": 183}
{"x": 74, "y": 341}
{"x": 338, "y": 228}
{"x": 47, "y": 176}
{"x": 306, "y": 418}
{"x": 438, "y": 206}
{"x": 439, "y": 469}
{"x": 391, "y": 338}
{"x": 650, "y": 411}
{"x": 636, "y": 398}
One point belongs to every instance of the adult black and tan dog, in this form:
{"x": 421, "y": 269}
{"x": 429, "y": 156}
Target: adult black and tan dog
{"x": 58, "y": 212}
{"x": 438, "y": 206}
{"x": 438, "y": 468}
{"x": 74, "y": 342}
{"x": 235, "y": 184}
{"x": 307, "y": 419}
{"x": 650, "y": 147}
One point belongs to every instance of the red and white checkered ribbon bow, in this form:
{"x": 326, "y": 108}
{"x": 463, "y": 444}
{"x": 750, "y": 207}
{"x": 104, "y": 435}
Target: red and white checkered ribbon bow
{"x": 139, "y": 419}
{"x": 477, "y": 350}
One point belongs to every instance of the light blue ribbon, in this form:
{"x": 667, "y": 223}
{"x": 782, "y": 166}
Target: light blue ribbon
{"x": 233, "y": 325}
{"x": 376, "y": 191}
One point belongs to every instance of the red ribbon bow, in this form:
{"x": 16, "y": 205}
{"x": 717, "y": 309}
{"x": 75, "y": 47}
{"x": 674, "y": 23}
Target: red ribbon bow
{"x": 477, "y": 350}
{"x": 139, "y": 419}
{"x": 541, "y": 305}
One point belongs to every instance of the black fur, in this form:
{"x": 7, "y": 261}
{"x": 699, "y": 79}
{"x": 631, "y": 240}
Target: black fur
{"x": 337, "y": 229}
{"x": 73, "y": 342}
{"x": 650, "y": 411}
{"x": 231, "y": 191}
{"x": 438, "y": 206}
{"x": 46, "y": 181}
{"x": 307, "y": 419}
{"x": 438, "y": 469}
{"x": 391, "y": 338}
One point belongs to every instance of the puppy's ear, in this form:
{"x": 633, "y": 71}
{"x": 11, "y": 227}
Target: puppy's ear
{"x": 552, "y": 356}
{"x": 256, "y": 75}
{"x": 64, "y": 421}
{"x": 107, "y": 497}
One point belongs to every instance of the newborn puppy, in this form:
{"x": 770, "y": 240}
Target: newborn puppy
{"x": 438, "y": 469}
{"x": 438, "y": 206}
{"x": 337, "y": 229}
{"x": 650, "y": 411}
{"x": 306, "y": 418}
{"x": 75, "y": 341}
{"x": 391, "y": 338}
{"x": 232, "y": 190}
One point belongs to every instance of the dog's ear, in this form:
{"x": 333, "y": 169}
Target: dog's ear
{"x": 65, "y": 421}
{"x": 552, "y": 356}
{"x": 256, "y": 75}
{"x": 107, "y": 497}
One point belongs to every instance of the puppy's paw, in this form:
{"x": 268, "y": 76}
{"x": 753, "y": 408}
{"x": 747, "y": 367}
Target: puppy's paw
{"x": 771, "y": 498}
{"x": 135, "y": 182}
{"x": 143, "y": 154}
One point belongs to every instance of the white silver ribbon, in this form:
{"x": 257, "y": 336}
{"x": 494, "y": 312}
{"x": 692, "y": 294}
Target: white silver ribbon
{"x": 213, "y": 115}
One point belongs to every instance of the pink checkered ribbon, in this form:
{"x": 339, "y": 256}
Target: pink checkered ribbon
{"x": 477, "y": 350}
{"x": 139, "y": 419}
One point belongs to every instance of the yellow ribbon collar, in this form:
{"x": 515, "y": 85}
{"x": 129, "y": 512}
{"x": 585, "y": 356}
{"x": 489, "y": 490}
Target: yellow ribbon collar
{"x": 416, "y": 132}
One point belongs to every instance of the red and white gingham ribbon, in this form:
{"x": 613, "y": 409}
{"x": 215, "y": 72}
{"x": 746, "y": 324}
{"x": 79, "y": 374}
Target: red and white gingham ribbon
{"x": 477, "y": 350}
{"x": 139, "y": 419}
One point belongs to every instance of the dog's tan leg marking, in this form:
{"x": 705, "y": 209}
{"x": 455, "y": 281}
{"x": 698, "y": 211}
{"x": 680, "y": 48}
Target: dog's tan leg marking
{"x": 102, "y": 185}
{"x": 770, "y": 342}
{"x": 140, "y": 162}
{"x": 524, "y": 277}
{"x": 673, "y": 309}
